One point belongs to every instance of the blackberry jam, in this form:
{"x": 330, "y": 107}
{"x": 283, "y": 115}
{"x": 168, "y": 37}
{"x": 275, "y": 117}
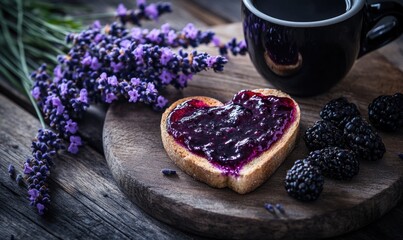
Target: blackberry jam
{"x": 229, "y": 136}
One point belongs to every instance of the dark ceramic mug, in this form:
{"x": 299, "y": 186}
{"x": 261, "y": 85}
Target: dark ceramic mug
{"x": 307, "y": 58}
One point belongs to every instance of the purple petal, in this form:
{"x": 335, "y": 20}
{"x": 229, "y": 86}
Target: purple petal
{"x": 83, "y": 95}
{"x": 151, "y": 11}
{"x": 121, "y": 10}
{"x": 33, "y": 193}
{"x": 125, "y": 43}
{"x": 27, "y": 169}
{"x": 95, "y": 65}
{"x": 36, "y": 92}
{"x": 71, "y": 126}
{"x": 41, "y": 208}
{"x": 76, "y": 140}
{"x": 161, "y": 102}
{"x": 73, "y": 148}
{"x": 96, "y": 24}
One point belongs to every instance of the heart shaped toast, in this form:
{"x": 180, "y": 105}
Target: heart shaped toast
{"x": 238, "y": 144}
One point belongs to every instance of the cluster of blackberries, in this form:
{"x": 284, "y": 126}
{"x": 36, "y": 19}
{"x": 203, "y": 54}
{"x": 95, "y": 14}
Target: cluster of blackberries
{"x": 339, "y": 141}
{"x": 304, "y": 181}
{"x": 386, "y": 112}
{"x": 343, "y": 127}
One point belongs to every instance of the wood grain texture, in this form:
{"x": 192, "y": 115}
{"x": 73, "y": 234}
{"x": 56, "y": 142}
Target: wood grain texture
{"x": 135, "y": 155}
{"x": 86, "y": 203}
{"x": 228, "y": 10}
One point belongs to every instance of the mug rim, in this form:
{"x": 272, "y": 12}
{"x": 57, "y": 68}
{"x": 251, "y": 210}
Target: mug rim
{"x": 357, "y": 5}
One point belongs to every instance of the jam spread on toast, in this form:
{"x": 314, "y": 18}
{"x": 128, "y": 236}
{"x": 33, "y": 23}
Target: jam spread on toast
{"x": 231, "y": 135}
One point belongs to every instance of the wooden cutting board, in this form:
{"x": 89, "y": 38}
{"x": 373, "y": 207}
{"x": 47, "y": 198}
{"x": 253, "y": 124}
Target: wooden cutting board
{"x": 135, "y": 155}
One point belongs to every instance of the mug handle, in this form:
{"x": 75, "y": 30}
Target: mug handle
{"x": 374, "y": 38}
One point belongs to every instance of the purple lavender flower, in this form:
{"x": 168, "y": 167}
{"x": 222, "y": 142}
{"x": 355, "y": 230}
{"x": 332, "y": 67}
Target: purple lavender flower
{"x": 117, "y": 66}
{"x": 71, "y": 126}
{"x": 83, "y": 96}
{"x": 183, "y": 79}
{"x": 121, "y": 10}
{"x": 161, "y": 102}
{"x": 113, "y": 81}
{"x": 136, "y": 33}
{"x": 57, "y": 74}
{"x": 58, "y": 104}
{"x": 171, "y": 37}
{"x": 27, "y": 169}
{"x": 135, "y": 81}
{"x": 166, "y": 56}
{"x": 151, "y": 11}
{"x": 75, "y": 142}
{"x": 125, "y": 43}
{"x": 63, "y": 89}
{"x": 150, "y": 88}
{"x": 36, "y": 93}
{"x": 110, "y": 97}
{"x": 141, "y": 3}
{"x": 86, "y": 61}
{"x": 138, "y": 52}
{"x": 96, "y": 24}
{"x": 153, "y": 35}
{"x": 190, "y": 31}
{"x": 216, "y": 41}
{"x": 95, "y": 63}
{"x": 33, "y": 193}
{"x": 41, "y": 208}
{"x": 166, "y": 76}
{"x": 211, "y": 61}
{"x": 165, "y": 28}
{"x": 134, "y": 95}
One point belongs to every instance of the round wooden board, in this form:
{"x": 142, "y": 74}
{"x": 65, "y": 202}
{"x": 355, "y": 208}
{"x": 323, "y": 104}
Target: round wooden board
{"x": 135, "y": 155}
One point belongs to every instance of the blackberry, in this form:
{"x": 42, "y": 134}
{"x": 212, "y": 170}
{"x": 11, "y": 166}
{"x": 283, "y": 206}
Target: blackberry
{"x": 335, "y": 162}
{"x": 386, "y": 112}
{"x": 339, "y": 111}
{"x": 363, "y": 140}
{"x": 323, "y": 134}
{"x": 304, "y": 181}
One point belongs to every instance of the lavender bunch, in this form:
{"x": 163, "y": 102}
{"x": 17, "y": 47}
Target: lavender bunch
{"x": 106, "y": 63}
{"x": 37, "y": 169}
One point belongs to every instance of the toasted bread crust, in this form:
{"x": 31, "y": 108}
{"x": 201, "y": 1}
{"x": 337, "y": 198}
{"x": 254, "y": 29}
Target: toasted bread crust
{"x": 252, "y": 174}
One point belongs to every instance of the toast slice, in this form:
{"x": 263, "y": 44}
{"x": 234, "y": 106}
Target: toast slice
{"x": 252, "y": 174}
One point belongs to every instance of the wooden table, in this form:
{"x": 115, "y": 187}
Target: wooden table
{"x": 86, "y": 202}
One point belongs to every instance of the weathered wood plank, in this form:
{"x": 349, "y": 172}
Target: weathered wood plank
{"x": 228, "y": 10}
{"x": 85, "y": 200}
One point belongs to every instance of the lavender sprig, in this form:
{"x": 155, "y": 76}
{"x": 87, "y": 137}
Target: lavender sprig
{"x": 143, "y": 12}
{"x": 189, "y": 36}
{"x": 37, "y": 169}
